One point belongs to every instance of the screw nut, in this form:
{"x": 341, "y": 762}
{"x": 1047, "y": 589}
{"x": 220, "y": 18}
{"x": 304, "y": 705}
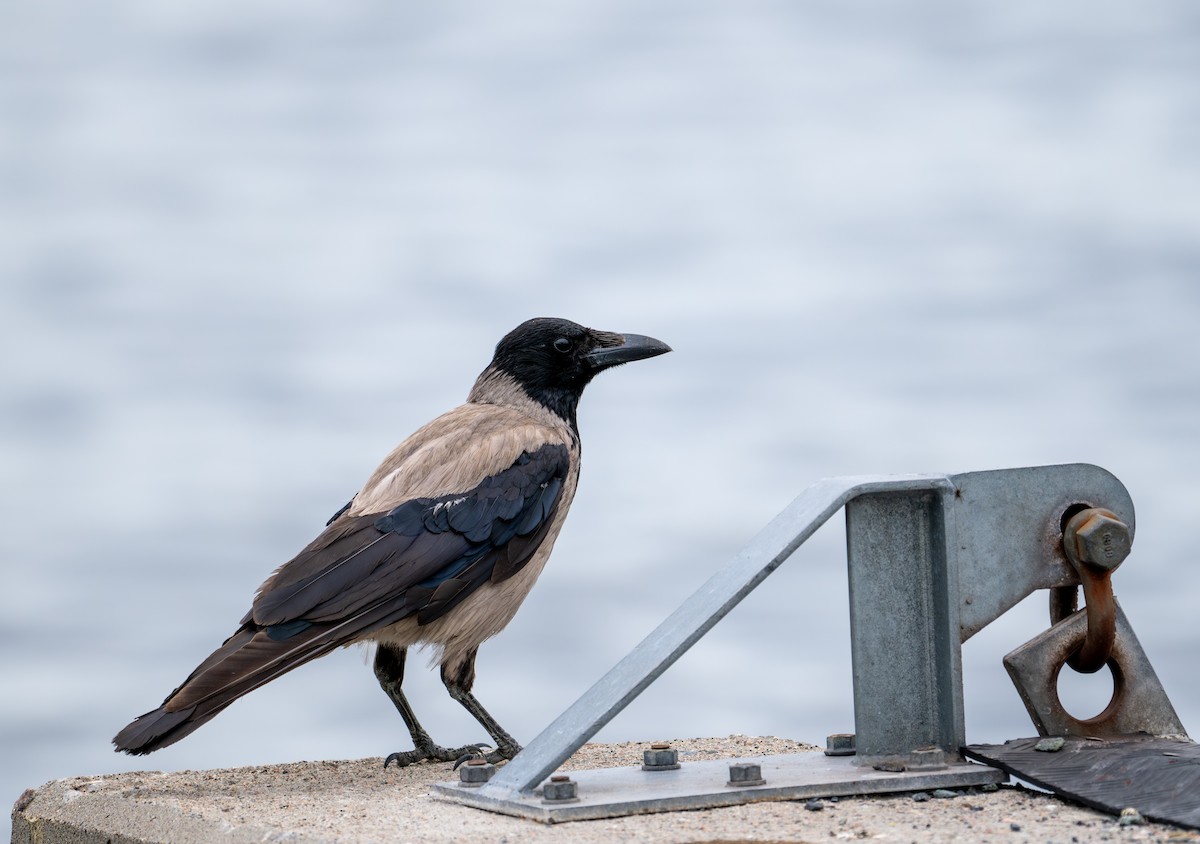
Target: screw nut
{"x": 660, "y": 757}
{"x": 475, "y": 773}
{"x": 840, "y": 744}
{"x": 560, "y": 789}
{"x": 742, "y": 774}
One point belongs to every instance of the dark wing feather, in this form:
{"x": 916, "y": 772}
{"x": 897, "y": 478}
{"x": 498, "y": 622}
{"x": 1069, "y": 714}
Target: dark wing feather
{"x": 461, "y": 540}
{"x": 251, "y": 657}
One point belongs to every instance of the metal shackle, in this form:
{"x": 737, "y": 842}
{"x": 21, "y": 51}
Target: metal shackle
{"x": 1095, "y": 542}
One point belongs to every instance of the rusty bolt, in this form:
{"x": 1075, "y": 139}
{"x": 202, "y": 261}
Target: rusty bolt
{"x": 475, "y": 773}
{"x": 660, "y": 757}
{"x": 560, "y": 789}
{"x": 1097, "y": 537}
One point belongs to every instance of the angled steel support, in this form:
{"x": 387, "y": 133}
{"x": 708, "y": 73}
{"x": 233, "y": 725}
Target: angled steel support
{"x": 932, "y": 560}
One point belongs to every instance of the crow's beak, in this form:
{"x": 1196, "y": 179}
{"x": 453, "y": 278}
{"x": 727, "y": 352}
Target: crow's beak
{"x": 632, "y": 347}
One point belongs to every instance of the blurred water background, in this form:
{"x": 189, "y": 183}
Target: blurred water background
{"x": 246, "y": 248}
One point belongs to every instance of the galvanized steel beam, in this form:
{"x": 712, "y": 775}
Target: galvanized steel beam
{"x": 695, "y": 617}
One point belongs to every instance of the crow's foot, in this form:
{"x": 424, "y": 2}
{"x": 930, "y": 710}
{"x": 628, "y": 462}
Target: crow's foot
{"x": 436, "y": 753}
{"x": 505, "y": 751}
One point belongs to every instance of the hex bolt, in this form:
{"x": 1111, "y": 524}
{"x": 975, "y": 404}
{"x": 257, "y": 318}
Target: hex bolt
{"x": 742, "y": 774}
{"x": 840, "y": 744}
{"x": 560, "y": 789}
{"x": 1097, "y": 537}
{"x": 475, "y": 773}
{"x": 660, "y": 757}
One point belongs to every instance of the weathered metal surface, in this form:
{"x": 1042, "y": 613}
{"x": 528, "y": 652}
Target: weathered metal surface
{"x": 1139, "y": 702}
{"x": 904, "y": 626}
{"x": 1009, "y": 528}
{"x": 613, "y": 792}
{"x": 1158, "y": 777}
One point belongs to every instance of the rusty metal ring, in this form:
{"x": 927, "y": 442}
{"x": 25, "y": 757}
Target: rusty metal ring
{"x": 1102, "y": 622}
{"x": 1097, "y": 646}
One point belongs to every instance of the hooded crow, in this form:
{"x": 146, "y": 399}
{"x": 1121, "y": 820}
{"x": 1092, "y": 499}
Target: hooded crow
{"x": 439, "y": 547}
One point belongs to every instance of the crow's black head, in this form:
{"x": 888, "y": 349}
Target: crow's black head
{"x": 552, "y": 360}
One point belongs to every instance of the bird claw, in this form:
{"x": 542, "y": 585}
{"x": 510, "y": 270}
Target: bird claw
{"x": 506, "y": 753}
{"x": 437, "y": 753}
{"x": 401, "y": 760}
{"x": 474, "y": 751}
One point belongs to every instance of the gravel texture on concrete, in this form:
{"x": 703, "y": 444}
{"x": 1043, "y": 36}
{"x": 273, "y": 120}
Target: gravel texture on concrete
{"x": 358, "y": 801}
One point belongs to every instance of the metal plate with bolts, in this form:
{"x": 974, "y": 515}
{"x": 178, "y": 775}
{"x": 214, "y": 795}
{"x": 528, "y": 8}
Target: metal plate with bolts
{"x": 612, "y": 792}
{"x": 932, "y": 560}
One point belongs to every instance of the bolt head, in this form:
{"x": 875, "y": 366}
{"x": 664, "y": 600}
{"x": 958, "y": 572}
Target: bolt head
{"x": 560, "y": 790}
{"x": 743, "y": 774}
{"x": 1100, "y": 538}
{"x": 476, "y": 772}
{"x": 840, "y": 744}
{"x": 660, "y": 758}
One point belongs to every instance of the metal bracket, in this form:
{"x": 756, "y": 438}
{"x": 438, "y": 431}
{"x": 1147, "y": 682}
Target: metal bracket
{"x": 1139, "y": 703}
{"x": 932, "y": 560}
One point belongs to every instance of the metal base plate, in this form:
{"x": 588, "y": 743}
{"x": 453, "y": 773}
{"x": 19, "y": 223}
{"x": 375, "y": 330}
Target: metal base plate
{"x": 1160, "y": 777}
{"x": 613, "y": 792}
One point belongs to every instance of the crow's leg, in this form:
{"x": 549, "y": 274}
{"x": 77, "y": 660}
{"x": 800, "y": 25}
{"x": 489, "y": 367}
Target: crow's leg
{"x": 458, "y": 684}
{"x": 389, "y": 670}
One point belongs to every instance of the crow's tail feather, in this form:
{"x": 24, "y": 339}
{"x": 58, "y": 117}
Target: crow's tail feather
{"x": 249, "y": 658}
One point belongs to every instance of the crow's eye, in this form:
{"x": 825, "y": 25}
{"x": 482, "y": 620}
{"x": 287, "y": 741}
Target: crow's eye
{"x": 562, "y": 344}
